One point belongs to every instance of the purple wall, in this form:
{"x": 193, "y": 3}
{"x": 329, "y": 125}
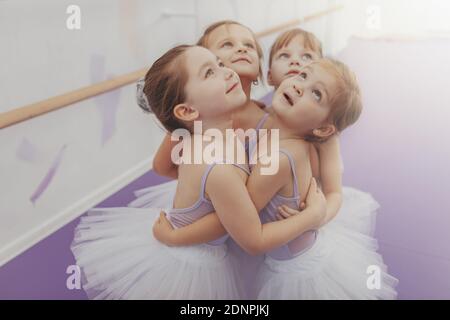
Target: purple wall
{"x": 398, "y": 151}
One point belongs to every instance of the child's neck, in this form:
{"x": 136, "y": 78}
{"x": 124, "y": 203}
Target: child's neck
{"x": 221, "y": 124}
{"x": 246, "y": 86}
{"x": 250, "y": 112}
{"x": 285, "y": 133}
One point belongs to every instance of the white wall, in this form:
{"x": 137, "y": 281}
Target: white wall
{"x": 399, "y": 19}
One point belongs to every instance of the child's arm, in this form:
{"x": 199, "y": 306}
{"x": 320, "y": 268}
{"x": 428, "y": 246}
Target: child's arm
{"x": 210, "y": 228}
{"x": 239, "y": 216}
{"x": 203, "y": 230}
{"x": 314, "y": 161}
{"x": 330, "y": 171}
{"x": 331, "y": 175}
{"x": 162, "y": 162}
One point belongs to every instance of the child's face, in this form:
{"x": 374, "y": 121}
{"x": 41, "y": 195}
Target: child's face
{"x": 287, "y": 61}
{"x": 212, "y": 89}
{"x": 303, "y": 102}
{"x": 236, "y": 47}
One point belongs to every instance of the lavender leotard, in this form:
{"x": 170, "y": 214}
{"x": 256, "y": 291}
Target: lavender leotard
{"x": 185, "y": 216}
{"x": 269, "y": 212}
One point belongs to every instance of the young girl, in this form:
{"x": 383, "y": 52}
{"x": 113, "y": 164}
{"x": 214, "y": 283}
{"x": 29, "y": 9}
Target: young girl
{"x": 114, "y": 247}
{"x": 292, "y": 50}
{"x": 330, "y": 263}
{"x": 236, "y": 46}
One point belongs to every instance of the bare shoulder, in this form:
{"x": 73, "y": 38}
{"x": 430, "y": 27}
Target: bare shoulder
{"x": 297, "y": 146}
{"x": 270, "y": 158}
{"x": 223, "y": 177}
{"x": 299, "y": 149}
{"x": 222, "y": 174}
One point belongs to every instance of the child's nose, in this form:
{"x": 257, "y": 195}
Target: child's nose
{"x": 298, "y": 90}
{"x": 295, "y": 62}
{"x": 242, "y": 49}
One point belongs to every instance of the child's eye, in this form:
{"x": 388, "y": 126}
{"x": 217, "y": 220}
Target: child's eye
{"x": 249, "y": 45}
{"x": 283, "y": 56}
{"x": 307, "y": 57}
{"x": 227, "y": 44}
{"x": 303, "y": 75}
{"x": 209, "y": 73}
{"x": 317, "y": 95}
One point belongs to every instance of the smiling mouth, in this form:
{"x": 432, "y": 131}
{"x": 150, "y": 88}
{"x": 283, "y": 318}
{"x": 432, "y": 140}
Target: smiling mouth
{"x": 288, "y": 99}
{"x": 232, "y": 87}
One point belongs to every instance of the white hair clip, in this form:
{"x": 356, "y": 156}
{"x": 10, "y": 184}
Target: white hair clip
{"x": 141, "y": 98}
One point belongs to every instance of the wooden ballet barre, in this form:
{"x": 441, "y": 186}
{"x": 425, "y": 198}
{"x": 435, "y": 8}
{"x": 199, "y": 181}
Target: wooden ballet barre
{"x": 39, "y": 108}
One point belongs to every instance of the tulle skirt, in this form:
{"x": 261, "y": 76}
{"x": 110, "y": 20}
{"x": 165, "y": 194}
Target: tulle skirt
{"x": 157, "y": 196}
{"x": 120, "y": 259}
{"x": 342, "y": 264}
{"x": 338, "y": 266}
{"x": 358, "y": 211}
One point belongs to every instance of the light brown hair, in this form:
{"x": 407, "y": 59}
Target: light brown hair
{"x": 311, "y": 42}
{"x": 346, "y": 103}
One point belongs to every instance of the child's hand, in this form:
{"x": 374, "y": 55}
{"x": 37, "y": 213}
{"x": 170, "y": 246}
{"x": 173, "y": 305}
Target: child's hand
{"x": 316, "y": 201}
{"x": 285, "y": 212}
{"x": 163, "y": 229}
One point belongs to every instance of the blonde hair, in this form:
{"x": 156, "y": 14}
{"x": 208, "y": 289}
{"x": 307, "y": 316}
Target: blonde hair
{"x": 311, "y": 42}
{"x": 204, "y": 39}
{"x": 346, "y": 103}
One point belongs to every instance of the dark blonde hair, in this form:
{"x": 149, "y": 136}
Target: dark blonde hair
{"x": 346, "y": 103}
{"x": 204, "y": 39}
{"x": 165, "y": 82}
{"x": 311, "y": 42}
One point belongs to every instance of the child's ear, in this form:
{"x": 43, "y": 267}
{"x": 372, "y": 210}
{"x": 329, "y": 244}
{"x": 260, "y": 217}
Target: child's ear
{"x": 325, "y": 131}
{"x": 185, "y": 112}
{"x": 270, "y": 79}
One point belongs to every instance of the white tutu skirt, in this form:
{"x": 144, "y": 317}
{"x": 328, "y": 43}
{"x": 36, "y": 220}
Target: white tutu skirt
{"x": 157, "y": 196}
{"x": 358, "y": 211}
{"x": 343, "y": 252}
{"x": 120, "y": 259}
{"x": 342, "y": 264}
